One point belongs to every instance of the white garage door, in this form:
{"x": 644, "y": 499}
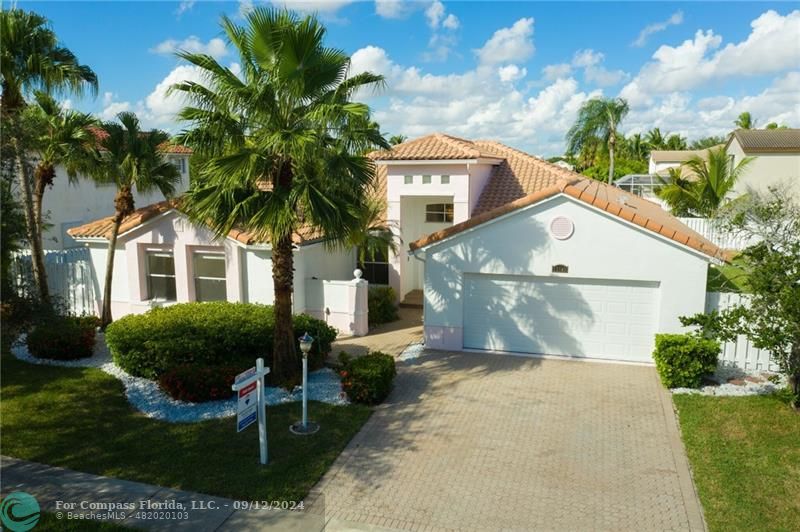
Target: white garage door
{"x": 587, "y": 318}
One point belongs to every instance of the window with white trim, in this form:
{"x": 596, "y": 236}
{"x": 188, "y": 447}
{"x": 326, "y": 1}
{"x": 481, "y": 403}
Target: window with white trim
{"x": 426, "y": 180}
{"x": 376, "y": 266}
{"x": 160, "y": 275}
{"x": 445, "y": 179}
{"x": 179, "y": 163}
{"x": 408, "y": 180}
{"x": 439, "y": 212}
{"x": 209, "y": 276}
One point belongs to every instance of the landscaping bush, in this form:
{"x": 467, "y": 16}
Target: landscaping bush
{"x": 367, "y": 379}
{"x": 683, "y": 359}
{"x": 205, "y": 334}
{"x": 63, "y": 338}
{"x": 381, "y": 305}
{"x": 198, "y": 384}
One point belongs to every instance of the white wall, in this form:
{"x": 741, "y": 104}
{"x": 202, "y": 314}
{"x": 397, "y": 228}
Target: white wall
{"x": 602, "y": 247}
{"x": 314, "y": 261}
{"x": 767, "y": 170}
{"x": 67, "y": 205}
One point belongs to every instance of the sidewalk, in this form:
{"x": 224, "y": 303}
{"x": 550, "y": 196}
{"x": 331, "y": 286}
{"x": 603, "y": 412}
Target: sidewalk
{"x": 206, "y": 513}
{"x": 390, "y": 338}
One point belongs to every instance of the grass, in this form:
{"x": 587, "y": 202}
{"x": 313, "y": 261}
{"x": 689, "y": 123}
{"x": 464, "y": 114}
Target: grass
{"x": 79, "y": 418}
{"x": 729, "y": 277}
{"x": 745, "y": 456}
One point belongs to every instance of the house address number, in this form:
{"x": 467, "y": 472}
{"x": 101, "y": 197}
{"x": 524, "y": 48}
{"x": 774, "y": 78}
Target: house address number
{"x": 560, "y": 268}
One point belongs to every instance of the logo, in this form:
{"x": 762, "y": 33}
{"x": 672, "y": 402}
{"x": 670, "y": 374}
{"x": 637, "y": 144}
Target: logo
{"x": 20, "y": 511}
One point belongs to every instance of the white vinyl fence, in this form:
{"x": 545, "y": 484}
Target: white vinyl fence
{"x": 740, "y": 353}
{"x": 69, "y": 276}
{"x": 723, "y": 239}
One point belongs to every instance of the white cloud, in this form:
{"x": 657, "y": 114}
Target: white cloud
{"x": 215, "y": 47}
{"x": 511, "y": 73}
{"x": 771, "y": 47}
{"x": 311, "y": 6}
{"x": 108, "y": 97}
{"x": 434, "y": 13}
{"x": 111, "y": 110}
{"x": 509, "y": 45}
{"x": 443, "y": 26}
{"x": 675, "y": 19}
{"x": 593, "y": 72}
{"x": 586, "y": 58}
{"x": 184, "y": 6}
{"x": 451, "y": 22}
{"x": 554, "y": 72}
{"x": 161, "y": 107}
{"x": 245, "y": 7}
{"x": 66, "y": 104}
{"x": 394, "y": 9}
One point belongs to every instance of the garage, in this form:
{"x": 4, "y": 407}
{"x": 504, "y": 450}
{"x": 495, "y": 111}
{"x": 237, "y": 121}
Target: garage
{"x": 597, "y": 318}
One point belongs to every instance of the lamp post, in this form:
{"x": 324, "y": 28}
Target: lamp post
{"x": 305, "y": 426}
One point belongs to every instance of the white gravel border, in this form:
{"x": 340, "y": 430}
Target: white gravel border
{"x": 145, "y": 395}
{"x": 726, "y": 389}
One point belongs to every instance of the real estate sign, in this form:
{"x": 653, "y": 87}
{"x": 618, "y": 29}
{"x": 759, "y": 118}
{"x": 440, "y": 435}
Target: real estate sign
{"x": 249, "y": 387}
{"x": 246, "y": 412}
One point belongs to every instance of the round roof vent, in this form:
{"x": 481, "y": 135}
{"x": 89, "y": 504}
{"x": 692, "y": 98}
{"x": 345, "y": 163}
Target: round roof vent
{"x": 561, "y": 227}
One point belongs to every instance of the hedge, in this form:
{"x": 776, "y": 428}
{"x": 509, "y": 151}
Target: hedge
{"x": 206, "y": 334}
{"x": 197, "y": 384}
{"x": 367, "y": 379}
{"x": 683, "y": 359}
{"x": 63, "y": 337}
{"x": 381, "y": 305}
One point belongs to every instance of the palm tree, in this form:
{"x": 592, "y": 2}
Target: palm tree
{"x": 285, "y": 145}
{"x": 705, "y": 186}
{"x": 31, "y": 58}
{"x": 676, "y": 142}
{"x": 394, "y": 140}
{"x": 130, "y": 158}
{"x": 745, "y": 121}
{"x": 655, "y": 139}
{"x": 637, "y": 147}
{"x": 58, "y": 137}
{"x": 598, "y": 119}
{"x": 373, "y": 235}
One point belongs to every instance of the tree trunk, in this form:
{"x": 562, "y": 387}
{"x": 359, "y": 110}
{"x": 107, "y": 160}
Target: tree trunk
{"x": 42, "y": 178}
{"x": 612, "y": 141}
{"x": 794, "y": 374}
{"x": 33, "y": 229}
{"x": 285, "y": 368}
{"x": 123, "y": 203}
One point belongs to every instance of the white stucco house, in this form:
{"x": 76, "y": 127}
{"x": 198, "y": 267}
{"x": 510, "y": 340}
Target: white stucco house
{"x": 506, "y": 252}
{"x": 776, "y": 159}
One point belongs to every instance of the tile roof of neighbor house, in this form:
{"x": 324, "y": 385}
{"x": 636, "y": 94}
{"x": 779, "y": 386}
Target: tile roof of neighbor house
{"x": 679, "y": 156}
{"x": 767, "y": 140}
{"x": 102, "y": 228}
{"x": 603, "y": 196}
{"x": 436, "y": 146}
{"x": 166, "y": 147}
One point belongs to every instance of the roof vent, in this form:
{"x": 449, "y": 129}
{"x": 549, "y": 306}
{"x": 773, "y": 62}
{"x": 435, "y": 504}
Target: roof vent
{"x": 561, "y": 227}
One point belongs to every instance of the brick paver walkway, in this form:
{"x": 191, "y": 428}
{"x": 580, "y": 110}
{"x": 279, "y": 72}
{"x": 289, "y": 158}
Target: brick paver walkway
{"x": 490, "y": 442}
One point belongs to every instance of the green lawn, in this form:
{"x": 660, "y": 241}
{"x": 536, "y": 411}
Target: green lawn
{"x": 745, "y": 456}
{"x": 729, "y": 277}
{"x": 79, "y": 418}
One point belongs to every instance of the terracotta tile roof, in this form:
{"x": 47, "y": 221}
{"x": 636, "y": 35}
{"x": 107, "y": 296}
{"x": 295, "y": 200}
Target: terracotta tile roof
{"x": 603, "y": 196}
{"x": 768, "y": 140}
{"x": 434, "y": 147}
{"x": 102, "y": 228}
{"x": 166, "y": 147}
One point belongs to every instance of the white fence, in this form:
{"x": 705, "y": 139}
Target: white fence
{"x": 740, "y": 353}
{"x": 69, "y": 276}
{"x": 342, "y": 304}
{"x": 721, "y": 238}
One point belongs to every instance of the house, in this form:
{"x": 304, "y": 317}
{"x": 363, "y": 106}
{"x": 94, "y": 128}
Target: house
{"x": 776, "y": 159}
{"x": 506, "y": 252}
{"x": 71, "y": 203}
{"x": 661, "y": 161}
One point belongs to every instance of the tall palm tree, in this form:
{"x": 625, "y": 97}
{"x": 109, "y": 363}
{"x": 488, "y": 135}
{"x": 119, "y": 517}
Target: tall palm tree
{"x": 58, "y": 137}
{"x": 130, "y": 159}
{"x": 705, "y": 186}
{"x": 655, "y": 139}
{"x": 31, "y": 57}
{"x": 373, "y": 235}
{"x": 745, "y": 121}
{"x": 637, "y": 147}
{"x": 285, "y": 145}
{"x": 676, "y": 142}
{"x": 598, "y": 119}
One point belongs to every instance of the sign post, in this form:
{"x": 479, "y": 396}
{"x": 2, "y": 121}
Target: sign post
{"x": 249, "y": 386}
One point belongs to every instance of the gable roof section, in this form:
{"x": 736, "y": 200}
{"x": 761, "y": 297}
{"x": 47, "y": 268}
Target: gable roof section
{"x": 102, "y": 228}
{"x": 767, "y": 140}
{"x": 602, "y": 196}
{"x": 679, "y": 156}
{"x": 434, "y": 147}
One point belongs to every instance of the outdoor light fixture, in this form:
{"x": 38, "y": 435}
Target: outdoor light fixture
{"x": 305, "y": 426}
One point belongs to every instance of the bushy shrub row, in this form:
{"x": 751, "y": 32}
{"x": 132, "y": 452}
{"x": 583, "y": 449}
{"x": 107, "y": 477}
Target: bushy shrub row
{"x": 205, "y": 334}
{"x": 63, "y": 337}
{"x": 682, "y": 360}
{"x": 197, "y": 384}
{"x": 367, "y": 379}
{"x": 381, "y": 305}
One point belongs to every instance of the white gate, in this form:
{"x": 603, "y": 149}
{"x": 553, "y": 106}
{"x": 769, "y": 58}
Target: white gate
{"x": 740, "y": 353}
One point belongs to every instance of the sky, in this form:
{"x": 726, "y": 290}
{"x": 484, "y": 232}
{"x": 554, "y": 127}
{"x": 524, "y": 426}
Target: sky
{"x": 516, "y": 72}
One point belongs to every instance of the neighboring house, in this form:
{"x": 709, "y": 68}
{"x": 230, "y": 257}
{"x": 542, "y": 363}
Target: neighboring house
{"x": 776, "y": 162}
{"x": 70, "y": 204}
{"x": 662, "y": 160}
{"x": 513, "y": 254}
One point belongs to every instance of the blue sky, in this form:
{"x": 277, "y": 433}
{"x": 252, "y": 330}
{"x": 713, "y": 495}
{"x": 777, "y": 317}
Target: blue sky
{"x": 512, "y": 71}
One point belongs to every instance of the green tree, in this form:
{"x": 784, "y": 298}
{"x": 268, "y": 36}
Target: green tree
{"x": 372, "y": 236}
{"x": 655, "y": 139}
{"x": 598, "y": 119}
{"x": 32, "y": 58}
{"x": 394, "y": 140}
{"x": 745, "y": 121}
{"x": 707, "y": 142}
{"x": 706, "y": 188}
{"x": 775, "y": 125}
{"x": 676, "y": 142}
{"x": 636, "y": 148}
{"x": 58, "y": 137}
{"x": 130, "y": 158}
{"x": 285, "y": 144}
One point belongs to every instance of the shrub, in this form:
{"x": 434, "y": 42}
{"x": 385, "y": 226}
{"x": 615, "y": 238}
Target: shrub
{"x": 381, "y": 305}
{"x": 63, "y": 338}
{"x": 198, "y": 384}
{"x": 367, "y": 379}
{"x": 205, "y": 334}
{"x": 683, "y": 359}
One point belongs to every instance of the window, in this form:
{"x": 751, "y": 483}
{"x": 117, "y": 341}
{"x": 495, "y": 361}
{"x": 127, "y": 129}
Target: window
{"x": 445, "y": 179}
{"x": 160, "y": 275}
{"x": 209, "y": 276}
{"x": 426, "y": 180}
{"x": 408, "y": 180}
{"x": 439, "y": 212}
{"x": 179, "y": 163}
{"x": 376, "y": 268}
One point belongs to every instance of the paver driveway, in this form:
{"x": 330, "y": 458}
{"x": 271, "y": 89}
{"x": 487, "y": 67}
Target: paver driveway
{"x": 490, "y": 442}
